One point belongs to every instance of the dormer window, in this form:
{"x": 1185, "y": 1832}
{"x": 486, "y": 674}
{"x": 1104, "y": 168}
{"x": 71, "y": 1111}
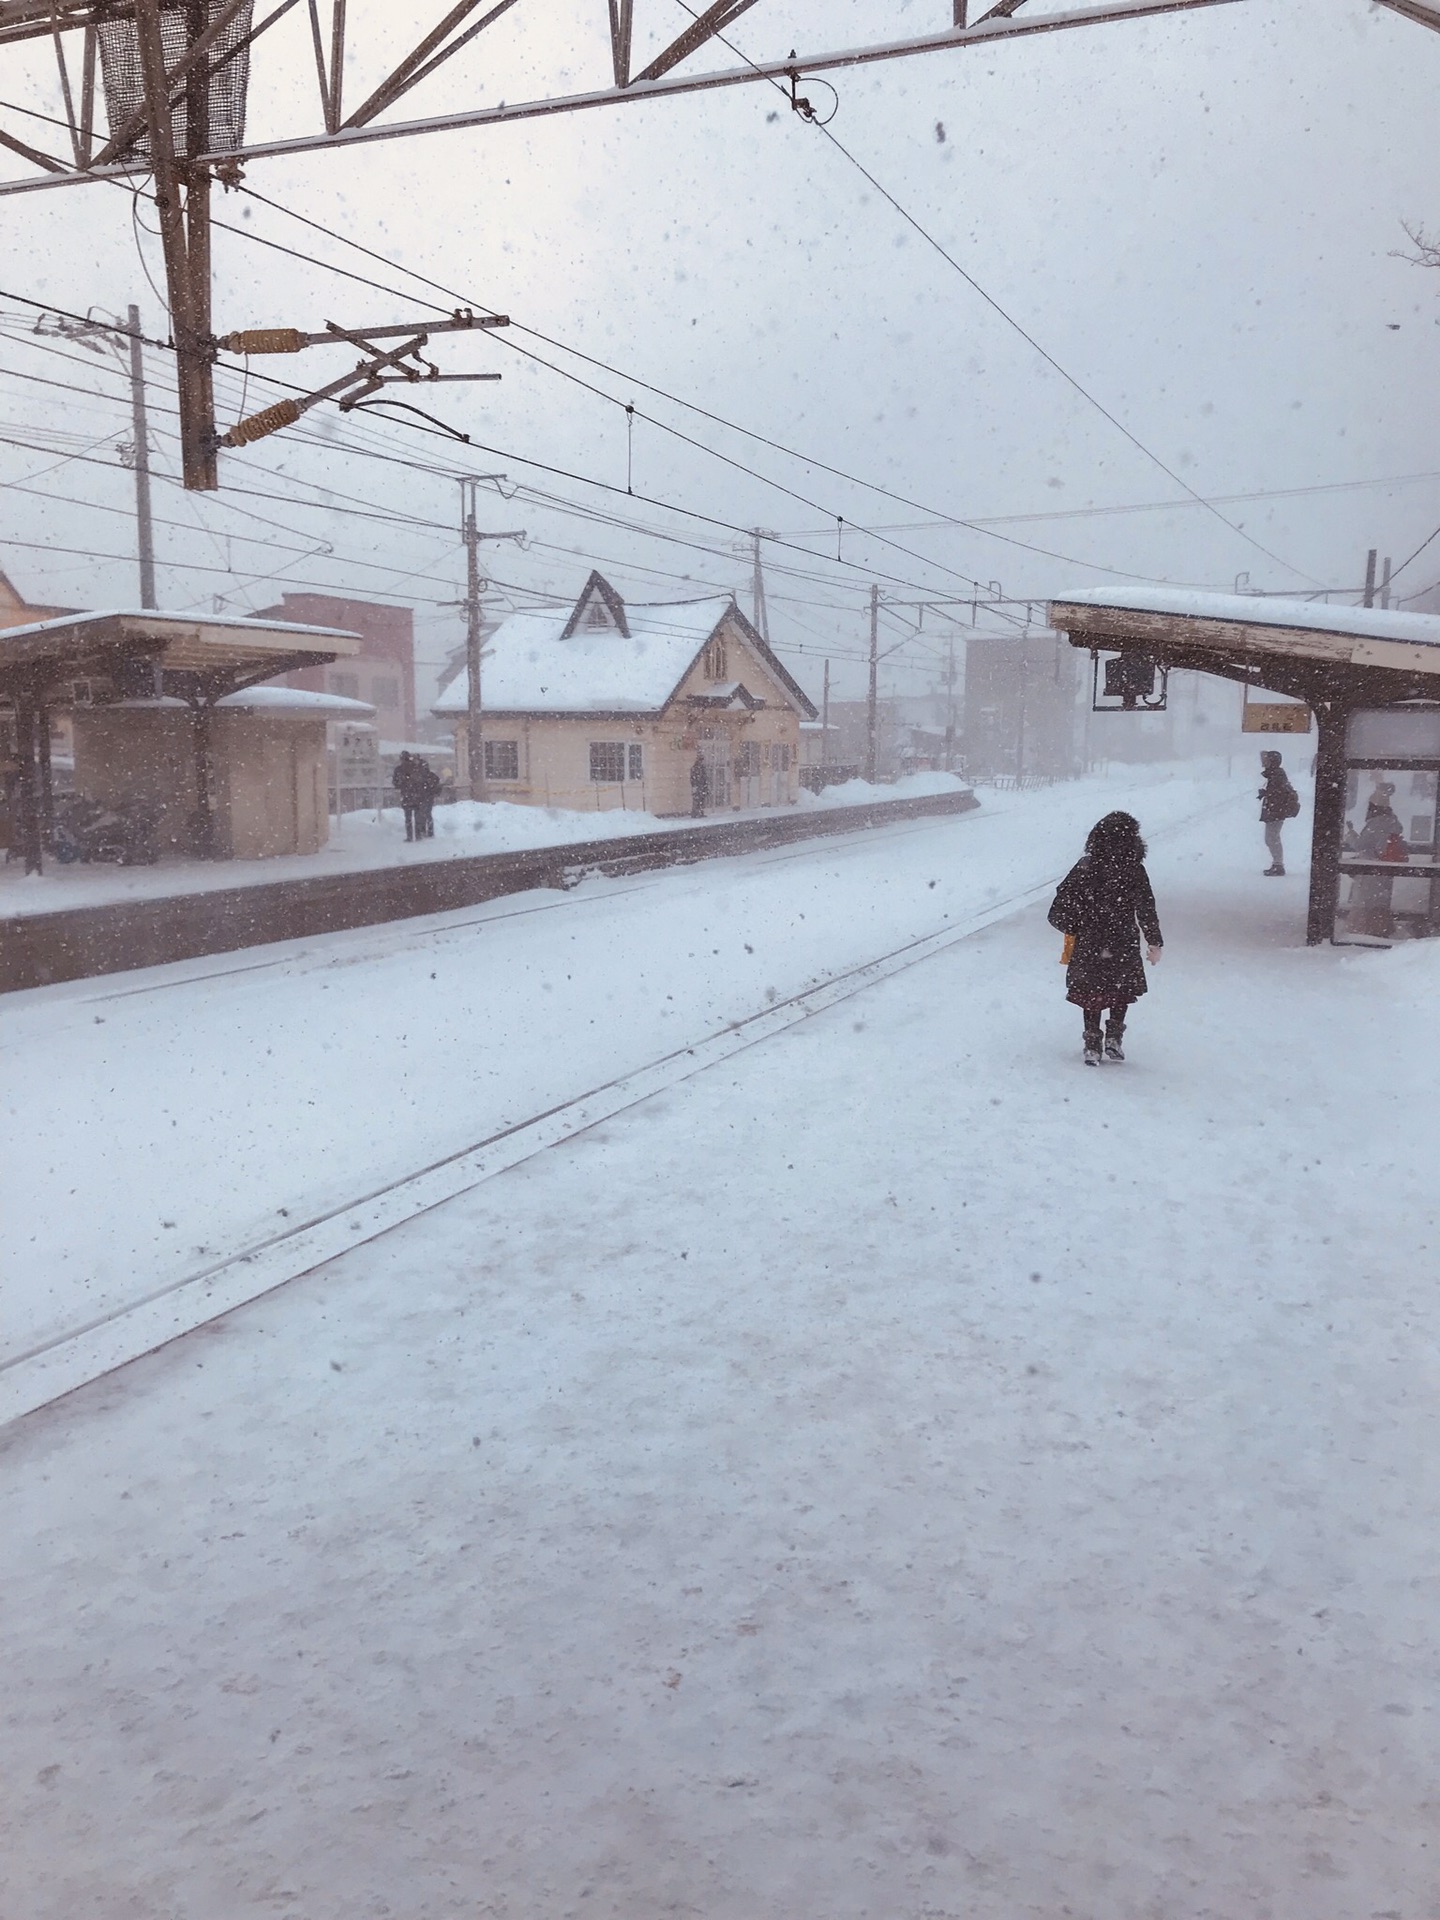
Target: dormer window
{"x": 598, "y": 610}
{"x": 713, "y": 664}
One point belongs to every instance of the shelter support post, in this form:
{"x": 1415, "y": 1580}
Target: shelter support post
{"x": 47, "y": 780}
{"x": 1328, "y": 832}
{"x": 26, "y": 787}
{"x": 204, "y": 816}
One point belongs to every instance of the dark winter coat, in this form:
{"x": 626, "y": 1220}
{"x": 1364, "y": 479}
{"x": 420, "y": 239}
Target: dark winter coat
{"x": 1107, "y": 909}
{"x": 409, "y": 781}
{"x": 1278, "y": 799}
{"x": 699, "y": 781}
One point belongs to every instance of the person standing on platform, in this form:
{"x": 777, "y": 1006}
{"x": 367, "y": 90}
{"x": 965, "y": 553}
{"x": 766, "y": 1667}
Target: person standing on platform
{"x": 1279, "y": 802}
{"x": 406, "y": 780}
{"x": 428, "y": 788}
{"x": 1102, "y": 906}
{"x": 699, "y": 787}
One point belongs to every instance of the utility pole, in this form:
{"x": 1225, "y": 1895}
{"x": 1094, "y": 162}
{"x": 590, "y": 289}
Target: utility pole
{"x": 1370, "y": 577}
{"x": 872, "y": 717}
{"x": 825, "y": 720}
{"x": 144, "y": 531}
{"x": 475, "y": 585}
{"x": 760, "y": 619}
{"x": 950, "y": 705}
{"x": 1385, "y": 583}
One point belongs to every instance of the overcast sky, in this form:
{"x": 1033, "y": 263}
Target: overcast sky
{"x": 1196, "y": 216}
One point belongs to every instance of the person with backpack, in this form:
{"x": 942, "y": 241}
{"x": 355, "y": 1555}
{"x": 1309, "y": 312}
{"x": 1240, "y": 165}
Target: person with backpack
{"x": 1279, "y": 802}
{"x": 1102, "y": 906}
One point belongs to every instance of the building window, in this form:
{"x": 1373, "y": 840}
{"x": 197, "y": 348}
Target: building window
{"x": 607, "y": 760}
{"x": 502, "y": 759}
{"x": 346, "y": 685}
{"x": 637, "y": 763}
{"x": 713, "y": 665}
{"x": 385, "y": 693}
{"x": 782, "y": 758}
{"x": 597, "y": 615}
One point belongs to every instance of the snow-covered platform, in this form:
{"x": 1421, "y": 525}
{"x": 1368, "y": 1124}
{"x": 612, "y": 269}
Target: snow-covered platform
{"x": 896, "y": 1472}
{"x": 187, "y": 909}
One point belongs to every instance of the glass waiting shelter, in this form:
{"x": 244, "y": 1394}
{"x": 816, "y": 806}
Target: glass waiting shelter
{"x": 1370, "y": 676}
{"x": 1388, "y": 867}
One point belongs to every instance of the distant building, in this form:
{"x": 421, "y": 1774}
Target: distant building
{"x": 382, "y": 674}
{"x": 1021, "y": 704}
{"x": 603, "y": 705}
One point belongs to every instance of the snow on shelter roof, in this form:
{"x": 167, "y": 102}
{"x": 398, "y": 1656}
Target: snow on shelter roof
{"x": 528, "y": 667}
{"x": 1361, "y": 636}
{"x": 206, "y": 644}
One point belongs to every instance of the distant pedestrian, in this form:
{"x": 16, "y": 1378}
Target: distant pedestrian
{"x": 699, "y": 787}
{"x": 428, "y": 788}
{"x": 1279, "y": 802}
{"x": 408, "y": 781}
{"x": 1102, "y": 906}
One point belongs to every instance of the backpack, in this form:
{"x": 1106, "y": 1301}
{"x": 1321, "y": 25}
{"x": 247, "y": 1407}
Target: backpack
{"x": 1290, "y": 802}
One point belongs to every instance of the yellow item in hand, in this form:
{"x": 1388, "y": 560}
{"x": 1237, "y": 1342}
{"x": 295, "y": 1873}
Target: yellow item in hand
{"x": 1067, "y": 952}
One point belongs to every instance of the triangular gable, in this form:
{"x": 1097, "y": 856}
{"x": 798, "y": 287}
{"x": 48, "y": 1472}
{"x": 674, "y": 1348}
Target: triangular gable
{"x": 757, "y": 646}
{"x": 599, "y": 608}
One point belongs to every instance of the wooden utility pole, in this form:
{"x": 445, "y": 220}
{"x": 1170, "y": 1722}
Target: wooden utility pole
{"x": 760, "y": 618}
{"x": 475, "y": 584}
{"x": 144, "y": 530}
{"x": 182, "y": 200}
{"x": 950, "y": 704}
{"x": 474, "y": 744}
{"x": 1370, "y": 559}
{"x": 872, "y": 716}
{"x": 825, "y": 720}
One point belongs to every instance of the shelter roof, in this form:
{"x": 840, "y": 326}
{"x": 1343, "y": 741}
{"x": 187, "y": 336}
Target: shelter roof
{"x": 300, "y": 702}
{"x": 212, "y": 647}
{"x": 531, "y": 666}
{"x": 1245, "y": 626}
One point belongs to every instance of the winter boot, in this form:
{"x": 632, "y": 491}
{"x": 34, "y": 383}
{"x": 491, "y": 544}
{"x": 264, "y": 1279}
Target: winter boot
{"x": 1114, "y": 1040}
{"x": 1092, "y": 1055}
{"x": 1272, "y": 873}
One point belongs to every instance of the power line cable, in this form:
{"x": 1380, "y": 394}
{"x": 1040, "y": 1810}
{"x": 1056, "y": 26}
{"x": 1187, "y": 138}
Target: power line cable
{"x": 1010, "y": 320}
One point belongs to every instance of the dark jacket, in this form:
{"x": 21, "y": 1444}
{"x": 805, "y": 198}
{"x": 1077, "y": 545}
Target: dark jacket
{"x": 409, "y": 780}
{"x": 699, "y": 780}
{"x": 1107, "y": 909}
{"x": 1278, "y": 799}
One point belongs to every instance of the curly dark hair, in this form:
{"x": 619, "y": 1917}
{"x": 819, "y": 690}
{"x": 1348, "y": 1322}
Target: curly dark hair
{"x": 1116, "y": 840}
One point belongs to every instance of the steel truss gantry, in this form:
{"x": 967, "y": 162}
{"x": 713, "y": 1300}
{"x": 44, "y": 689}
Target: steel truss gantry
{"x": 172, "y": 78}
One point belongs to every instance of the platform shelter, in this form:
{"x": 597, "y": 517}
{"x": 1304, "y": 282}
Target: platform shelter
{"x": 84, "y": 659}
{"x": 1371, "y": 678}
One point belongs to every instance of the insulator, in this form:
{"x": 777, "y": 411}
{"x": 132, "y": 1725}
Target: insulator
{"x": 264, "y": 340}
{"x": 283, "y": 414}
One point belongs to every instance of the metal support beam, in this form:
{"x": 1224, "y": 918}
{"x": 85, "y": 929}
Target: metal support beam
{"x": 1425, "y": 12}
{"x": 622, "y": 23}
{"x": 716, "y": 17}
{"x": 419, "y": 63}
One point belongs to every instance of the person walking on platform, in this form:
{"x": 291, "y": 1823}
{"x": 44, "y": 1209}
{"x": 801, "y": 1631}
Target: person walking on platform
{"x": 408, "y": 782}
{"x": 699, "y": 787}
{"x": 1279, "y": 802}
{"x": 1102, "y": 906}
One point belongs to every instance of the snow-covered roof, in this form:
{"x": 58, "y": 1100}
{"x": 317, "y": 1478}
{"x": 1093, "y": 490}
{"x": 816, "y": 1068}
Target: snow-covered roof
{"x": 1311, "y": 616}
{"x": 528, "y": 667}
{"x": 296, "y": 700}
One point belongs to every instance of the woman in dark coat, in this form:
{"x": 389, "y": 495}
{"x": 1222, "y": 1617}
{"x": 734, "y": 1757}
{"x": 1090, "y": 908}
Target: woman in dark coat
{"x": 1104, "y": 904}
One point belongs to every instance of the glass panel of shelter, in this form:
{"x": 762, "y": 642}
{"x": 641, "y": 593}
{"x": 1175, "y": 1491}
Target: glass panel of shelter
{"x": 1388, "y": 867}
